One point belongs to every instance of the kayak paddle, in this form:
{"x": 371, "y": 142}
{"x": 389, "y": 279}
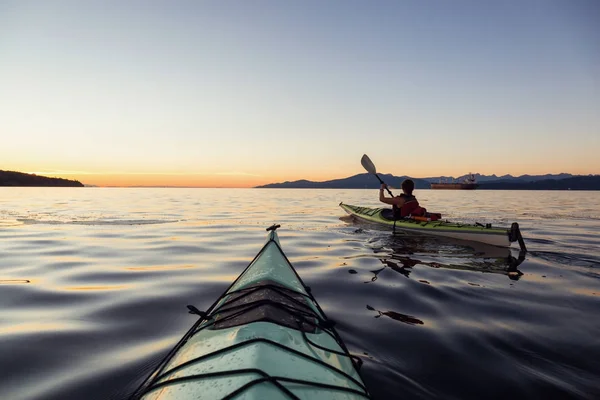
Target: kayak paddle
{"x": 370, "y": 167}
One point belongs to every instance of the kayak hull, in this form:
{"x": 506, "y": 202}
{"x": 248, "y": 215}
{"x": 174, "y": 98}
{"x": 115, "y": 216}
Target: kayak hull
{"x": 494, "y": 236}
{"x": 265, "y": 338}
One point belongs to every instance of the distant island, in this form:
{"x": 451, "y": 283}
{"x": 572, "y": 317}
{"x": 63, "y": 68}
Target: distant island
{"x": 506, "y": 182}
{"x": 360, "y": 181}
{"x": 13, "y": 178}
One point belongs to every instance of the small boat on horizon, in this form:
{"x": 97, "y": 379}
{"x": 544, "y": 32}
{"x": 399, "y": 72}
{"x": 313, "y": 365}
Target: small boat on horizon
{"x": 469, "y": 183}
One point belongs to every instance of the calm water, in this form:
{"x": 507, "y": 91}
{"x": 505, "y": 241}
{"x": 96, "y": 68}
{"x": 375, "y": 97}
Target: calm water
{"x": 94, "y": 284}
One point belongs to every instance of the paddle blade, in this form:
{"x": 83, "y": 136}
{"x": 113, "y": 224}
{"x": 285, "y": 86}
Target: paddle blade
{"x": 368, "y": 164}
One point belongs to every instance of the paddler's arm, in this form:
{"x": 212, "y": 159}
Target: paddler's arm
{"x": 398, "y": 201}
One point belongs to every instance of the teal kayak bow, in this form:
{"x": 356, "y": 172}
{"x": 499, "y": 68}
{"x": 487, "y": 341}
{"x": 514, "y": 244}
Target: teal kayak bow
{"x": 266, "y": 338}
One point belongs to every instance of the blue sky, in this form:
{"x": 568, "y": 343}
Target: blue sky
{"x": 238, "y": 93}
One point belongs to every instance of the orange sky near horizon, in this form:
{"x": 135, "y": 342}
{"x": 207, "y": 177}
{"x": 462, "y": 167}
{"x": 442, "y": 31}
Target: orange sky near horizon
{"x": 245, "y": 180}
{"x": 226, "y": 180}
{"x": 208, "y": 181}
{"x": 281, "y": 167}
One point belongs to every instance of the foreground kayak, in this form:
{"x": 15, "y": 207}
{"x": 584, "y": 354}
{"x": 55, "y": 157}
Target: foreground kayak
{"x": 264, "y": 338}
{"x": 502, "y": 237}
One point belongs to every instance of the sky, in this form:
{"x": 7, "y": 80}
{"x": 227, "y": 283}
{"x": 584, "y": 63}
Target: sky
{"x": 248, "y": 92}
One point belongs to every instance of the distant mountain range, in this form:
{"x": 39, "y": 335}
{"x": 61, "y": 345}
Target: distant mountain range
{"x": 360, "y": 181}
{"x": 13, "y": 178}
{"x": 590, "y": 182}
{"x": 504, "y": 178}
{"x": 561, "y": 181}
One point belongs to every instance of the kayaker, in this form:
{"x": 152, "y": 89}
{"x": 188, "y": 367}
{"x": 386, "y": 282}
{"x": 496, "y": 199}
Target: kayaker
{"x": 404, "y": 205}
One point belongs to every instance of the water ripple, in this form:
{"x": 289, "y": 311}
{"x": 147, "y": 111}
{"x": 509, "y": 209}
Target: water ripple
{"x": 101, "y": 278}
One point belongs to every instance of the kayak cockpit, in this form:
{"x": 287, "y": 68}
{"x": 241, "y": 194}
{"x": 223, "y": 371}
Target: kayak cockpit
{"x": 266, "y": 301}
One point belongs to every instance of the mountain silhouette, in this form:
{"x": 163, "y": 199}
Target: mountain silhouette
{"x": 360, "y": 181}
{"x": 13, "y": 178}
{"x": 561, "y": 181}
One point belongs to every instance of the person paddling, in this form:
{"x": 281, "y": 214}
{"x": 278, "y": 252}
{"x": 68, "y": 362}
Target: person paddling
{"x": 404, "y": 205}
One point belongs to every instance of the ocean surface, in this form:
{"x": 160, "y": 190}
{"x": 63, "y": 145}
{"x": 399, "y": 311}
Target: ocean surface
{"x": 94, "y": 284}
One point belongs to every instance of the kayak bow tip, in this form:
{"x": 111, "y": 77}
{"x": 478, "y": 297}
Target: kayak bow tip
{"x": 273, "y": 227}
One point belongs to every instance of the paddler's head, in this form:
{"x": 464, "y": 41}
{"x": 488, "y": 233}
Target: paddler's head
{"x": 408, "y": 186}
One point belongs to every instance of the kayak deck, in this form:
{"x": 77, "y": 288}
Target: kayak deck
{"x": 502, "y": 237}
{"x": 266, "y": 337}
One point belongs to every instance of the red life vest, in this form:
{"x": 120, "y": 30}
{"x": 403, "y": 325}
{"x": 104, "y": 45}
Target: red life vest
{"x": 411, "y": 207}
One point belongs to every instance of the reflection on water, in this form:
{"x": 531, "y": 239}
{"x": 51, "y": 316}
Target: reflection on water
{"x": 94, "y": 284}
{"x": 407, "y": 319}
{"x": 95, "y": 288}
{"x": 159, "y": 267}
{"x": 402, "y": 255}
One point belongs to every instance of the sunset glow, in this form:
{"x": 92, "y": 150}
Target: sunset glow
{"x": 209, "y": 94}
